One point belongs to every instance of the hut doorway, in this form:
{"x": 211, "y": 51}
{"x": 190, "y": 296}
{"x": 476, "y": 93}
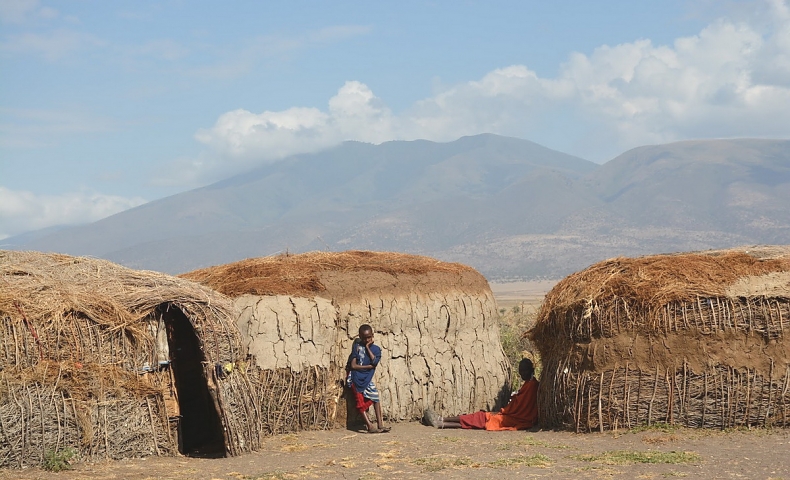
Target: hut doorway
{"x": 200, "y": 430}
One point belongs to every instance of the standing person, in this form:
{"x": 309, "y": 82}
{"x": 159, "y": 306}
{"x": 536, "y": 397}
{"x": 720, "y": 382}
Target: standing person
{"x": 362, "y": 363}
{"x": 520, "y": 414}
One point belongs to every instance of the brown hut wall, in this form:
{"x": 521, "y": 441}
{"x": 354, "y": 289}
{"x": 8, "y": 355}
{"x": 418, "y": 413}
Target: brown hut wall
{"x": 730, "y": 350}
{"x": 63, "y": 316}
{"x": 615, "y": 355}
{"x": 625, "y": 397}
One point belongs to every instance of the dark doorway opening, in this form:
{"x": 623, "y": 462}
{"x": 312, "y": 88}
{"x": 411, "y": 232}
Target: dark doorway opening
{"x": 200, "y": 430}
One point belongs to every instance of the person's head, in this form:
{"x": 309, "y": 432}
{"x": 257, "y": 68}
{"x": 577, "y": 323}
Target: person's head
{"x": 365, "y": 333}
{"x": 526, "y": 369}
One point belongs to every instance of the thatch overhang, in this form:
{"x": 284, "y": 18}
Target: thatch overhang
{"x": 696, "y": 339}
{"x": 93, "y": 357}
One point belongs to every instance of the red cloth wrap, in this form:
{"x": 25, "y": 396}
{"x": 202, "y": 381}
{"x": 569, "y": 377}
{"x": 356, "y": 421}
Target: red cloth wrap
{"x": 475, "y": 420}
{"x": 362, "y": 403}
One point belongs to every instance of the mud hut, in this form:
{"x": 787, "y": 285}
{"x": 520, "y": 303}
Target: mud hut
{"x": 436, "y": 323}
{"x": 697, "y": 339}
{"x": 115, "y": 363}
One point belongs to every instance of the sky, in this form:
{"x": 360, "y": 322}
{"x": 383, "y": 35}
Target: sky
{"x": 108, "y": 105}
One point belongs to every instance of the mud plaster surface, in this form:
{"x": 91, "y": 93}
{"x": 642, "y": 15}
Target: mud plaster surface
{"x": 699, "y": 352}
{"x": 438, "y": 333}
{"x": 776, "y": 284}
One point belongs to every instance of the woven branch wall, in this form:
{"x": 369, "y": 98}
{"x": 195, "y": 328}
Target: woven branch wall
{"x": 715, "y": 361}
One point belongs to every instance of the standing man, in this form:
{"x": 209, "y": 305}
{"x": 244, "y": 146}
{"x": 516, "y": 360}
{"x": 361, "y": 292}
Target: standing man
{"x": 362, "y": 362}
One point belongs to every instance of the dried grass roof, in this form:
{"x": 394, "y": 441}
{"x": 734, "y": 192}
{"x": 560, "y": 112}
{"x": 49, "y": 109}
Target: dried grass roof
{"x": 306, "y": 274}
{"x": 49, "y": 289}
{"x": 659, "y": 279}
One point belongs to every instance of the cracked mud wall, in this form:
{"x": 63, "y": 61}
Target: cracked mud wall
{"x": 440, "y": 349}
{"x": 282, "y": 331}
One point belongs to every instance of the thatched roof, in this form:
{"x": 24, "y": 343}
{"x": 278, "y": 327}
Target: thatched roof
{"x": 46, "y": 289}
{"x": 335, "y": 274}
{"x": 653, "y": 281}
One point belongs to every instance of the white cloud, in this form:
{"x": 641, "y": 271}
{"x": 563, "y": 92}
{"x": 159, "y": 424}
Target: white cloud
{"x": 240, "y": 139}
{"x": 731, "y": 79}
{"x": 22, "y": 211}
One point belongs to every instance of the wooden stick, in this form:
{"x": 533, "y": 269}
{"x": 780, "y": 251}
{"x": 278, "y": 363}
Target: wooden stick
{"x": 770, "y": 392}
{"x": 704, "y": 399}
{"x": 600, "y": 413}
{"x": 627, "y": 397}
{"x": 652, "y": 399}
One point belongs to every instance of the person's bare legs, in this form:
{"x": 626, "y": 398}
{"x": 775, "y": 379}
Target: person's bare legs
{"x": 450, "y": 422}
{"x": 379, "y": 416}
{"x": 368, "y": 425}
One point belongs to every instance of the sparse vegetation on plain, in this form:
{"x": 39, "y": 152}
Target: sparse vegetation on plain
{"x": 537, "y": 460}
{"x": 513, "y": 322}
{"x": 629, "y": 457}
{"x": 434, "y": 464}
{"x": 59, "y": 460}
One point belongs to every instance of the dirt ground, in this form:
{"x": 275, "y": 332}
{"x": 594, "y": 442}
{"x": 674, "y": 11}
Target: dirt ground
{"x": 412, "y": 450}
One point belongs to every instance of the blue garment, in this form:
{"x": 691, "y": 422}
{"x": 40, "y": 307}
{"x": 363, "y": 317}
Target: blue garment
{"x": 362, "y": 378}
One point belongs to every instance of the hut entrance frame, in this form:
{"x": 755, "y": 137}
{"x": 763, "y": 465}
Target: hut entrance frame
{"x": 199, "y": 426}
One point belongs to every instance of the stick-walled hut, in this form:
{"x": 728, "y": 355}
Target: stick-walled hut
{"x": 115, "y": 363}
{"x": 697, "y": 339}
{"x": 436, "y": 323}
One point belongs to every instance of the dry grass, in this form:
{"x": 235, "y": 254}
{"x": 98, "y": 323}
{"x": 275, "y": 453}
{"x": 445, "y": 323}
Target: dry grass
{"x": 435, "y": 464}
{"x": 300, "y": 274}
{"x": 538, "y": 460}
{"x": 647, "y": 281}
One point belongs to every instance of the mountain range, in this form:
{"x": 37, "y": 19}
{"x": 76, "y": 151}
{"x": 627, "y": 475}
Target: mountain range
{"x": 509, "y": 207}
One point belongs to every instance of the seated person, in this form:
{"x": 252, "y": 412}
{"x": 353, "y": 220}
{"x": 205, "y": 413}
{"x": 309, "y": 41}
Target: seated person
{"x": 520, "y": 414}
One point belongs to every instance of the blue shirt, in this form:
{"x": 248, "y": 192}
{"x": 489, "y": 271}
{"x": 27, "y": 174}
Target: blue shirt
{"x": 361, "y": 378}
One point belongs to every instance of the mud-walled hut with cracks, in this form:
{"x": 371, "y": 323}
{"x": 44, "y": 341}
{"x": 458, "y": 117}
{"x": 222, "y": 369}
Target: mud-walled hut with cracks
{"x": 696, "y": 339}
{"x": 436, "y": 323}
{"x": 109, "y": 363}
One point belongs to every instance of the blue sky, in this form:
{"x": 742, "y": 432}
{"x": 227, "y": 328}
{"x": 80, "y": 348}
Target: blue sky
{"x": 106, "y": 105}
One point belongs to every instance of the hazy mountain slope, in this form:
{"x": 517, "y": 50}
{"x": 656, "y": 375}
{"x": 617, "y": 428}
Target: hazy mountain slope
{"x": 677, "y": 197}
{"x": 294, "y": 204}
{"x": 724, "y": 185}
{"x": 508, "y": 207}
